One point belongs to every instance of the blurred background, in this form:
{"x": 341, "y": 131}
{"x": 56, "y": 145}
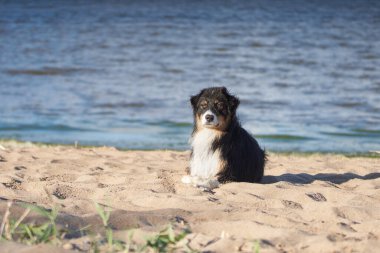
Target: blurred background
{"x": 121, "y": 73}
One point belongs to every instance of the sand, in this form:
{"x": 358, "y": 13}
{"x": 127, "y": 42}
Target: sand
{"x": 306, "y": 203}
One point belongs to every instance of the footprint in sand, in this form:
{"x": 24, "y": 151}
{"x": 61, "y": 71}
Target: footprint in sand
{"x": 63, "y": 192}
{"x": 57, "y": 161}
{"x": 215, "y": 200}
{"x": 97, "y": 169}
{"x": 166, "y": 181}
{"x": 20, "y": 168}
{"x": 2, "y": 159}
{"x": 372, "y": 236}
{"x": 316, "y": 196}
{"x": 60, "y": 177}
{"x": 66, "y": 191}
{"x": 256, "y": 196}
{"x": 346, "y": 227}
{"x": 14, "y": 184}
{"x": 340, "y": 213}
{"x": 291, "y": 204}
{"x": 20, "y": 174}
{"x": 335, "y": 237}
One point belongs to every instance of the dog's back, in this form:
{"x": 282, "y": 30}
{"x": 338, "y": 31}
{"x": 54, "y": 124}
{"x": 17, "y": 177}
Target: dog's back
{"x": 245, "y": 160}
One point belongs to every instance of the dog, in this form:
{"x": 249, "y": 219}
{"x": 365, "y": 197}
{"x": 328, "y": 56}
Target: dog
{"x": 221, "y": 150}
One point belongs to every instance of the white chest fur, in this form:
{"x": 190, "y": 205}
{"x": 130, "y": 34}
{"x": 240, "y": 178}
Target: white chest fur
{"x": 205, "y": 163}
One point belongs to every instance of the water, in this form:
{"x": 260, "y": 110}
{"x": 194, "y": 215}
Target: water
{"x": 121, "y": 73}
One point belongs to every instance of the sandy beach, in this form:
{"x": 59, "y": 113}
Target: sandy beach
{"x": 306, "y": 203}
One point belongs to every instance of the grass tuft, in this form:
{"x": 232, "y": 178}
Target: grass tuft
{"x": 15, "y": 230}
{"x": 31, "y": 233}
{"x": 166, "y": 240}
{"x": 256, "y": 247}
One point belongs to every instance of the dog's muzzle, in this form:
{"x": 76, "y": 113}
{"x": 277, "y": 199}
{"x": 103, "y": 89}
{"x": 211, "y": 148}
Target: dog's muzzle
{"x": 209, "y": 119}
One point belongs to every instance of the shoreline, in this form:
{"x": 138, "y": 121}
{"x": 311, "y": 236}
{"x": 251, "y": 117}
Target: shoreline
{"x": 15, "y": 142}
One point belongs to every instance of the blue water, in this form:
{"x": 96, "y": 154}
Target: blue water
{"x": 121, "y": 73}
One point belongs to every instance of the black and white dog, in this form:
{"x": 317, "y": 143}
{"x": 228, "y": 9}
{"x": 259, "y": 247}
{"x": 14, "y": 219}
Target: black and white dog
{"x": 222, "y": 150}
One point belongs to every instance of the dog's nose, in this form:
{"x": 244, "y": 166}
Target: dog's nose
{"x": 209, "y": 117}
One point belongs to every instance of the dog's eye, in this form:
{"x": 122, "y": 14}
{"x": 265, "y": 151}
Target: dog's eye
{"x": 220, "y": 106}
{"x": 203, "y": 105}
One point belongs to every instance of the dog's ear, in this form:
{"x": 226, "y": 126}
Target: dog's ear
{"x": 225, "y": 91}
{"x": 194, "y": 100}
{"x": 234, "y": 102}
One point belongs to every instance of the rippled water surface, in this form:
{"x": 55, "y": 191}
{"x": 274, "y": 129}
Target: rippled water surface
{"x": 121, "y": 73}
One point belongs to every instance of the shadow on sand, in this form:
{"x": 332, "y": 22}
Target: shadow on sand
{"x": 304, "y": 178}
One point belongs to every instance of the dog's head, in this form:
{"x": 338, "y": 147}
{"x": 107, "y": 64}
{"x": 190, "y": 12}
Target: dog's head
{"x": 214, "y": 108}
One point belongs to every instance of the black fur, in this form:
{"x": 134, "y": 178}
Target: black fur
{"x": 243, "y": 157}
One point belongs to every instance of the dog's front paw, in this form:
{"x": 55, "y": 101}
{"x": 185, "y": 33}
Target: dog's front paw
{"x": 186, "y": 180}
{"x": 207, "y": 184}
{"x": 200, "y": 182}
{"x": 213, "y": 183}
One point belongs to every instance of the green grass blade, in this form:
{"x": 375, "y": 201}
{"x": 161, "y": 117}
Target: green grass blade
{"x": 256, "y": 247}
{"x": 28, "y": 232}
{"x": 104, "y": 215}
{"x": 109, "y": 236}
{"x": 171, "y": 234}
{"x": 46, "y": 234}
{"x": 37, "y": 209}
